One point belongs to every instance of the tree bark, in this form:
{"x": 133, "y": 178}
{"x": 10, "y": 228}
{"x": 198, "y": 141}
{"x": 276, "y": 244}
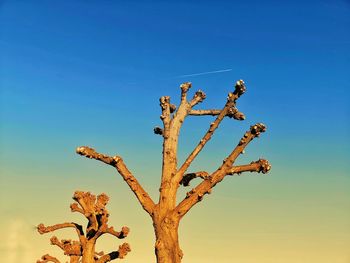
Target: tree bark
{"x": 74, "y": 259}
{"x": 167, "y": 248}
{"x": 89, "y": 252}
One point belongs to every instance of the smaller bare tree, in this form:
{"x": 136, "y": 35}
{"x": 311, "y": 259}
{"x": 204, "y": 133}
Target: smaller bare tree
{"x": 83, "y": 250}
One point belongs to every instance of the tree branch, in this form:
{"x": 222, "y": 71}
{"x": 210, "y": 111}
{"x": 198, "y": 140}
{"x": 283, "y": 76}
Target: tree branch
{"x": 198, "y": 97}
{"x": 117, "y": 162}
{"x": 184, "y": 89}
{"x": 183, "y": 110}
{"x": 79, "y": 229}
{"x": 190, "y": 176}
{"x": 165, "y": 117}
{"x": 69, "y": 247}
{"x": 231, "y": 113}
{"x": 254, "y": 132}
{"x": 167, "y": 197}
{"x": 213, "y": 126}
{"x": 75, "y": 208}
{"x": 98, "y": 254}
{"x": 102, "y": 201}
{"x": 121, "y": 234}
{"x": 54, "y": 241}
{"x": 121, "y": 253}
{"x": 231, "y": 102}
{"x": 260, "y": 166}
{"x": 197, "y": 193}
{"x": 87, "y": 202}
{"x": 48, "y": 258}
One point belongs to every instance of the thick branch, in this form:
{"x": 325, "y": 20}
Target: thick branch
{"x": 121, "y": 253}
{"x": 186, "y": 179}
{"x": 48, "y": 258}
{"x": 117, "y": 162}
{"x": 231, "y": 100}
{"x": 167, "y": 197}
{"x": 196, "y": 194}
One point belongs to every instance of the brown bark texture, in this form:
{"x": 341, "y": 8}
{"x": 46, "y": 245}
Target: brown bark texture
{"x": 166, "y": 213}
{"x": 83, "y": 249}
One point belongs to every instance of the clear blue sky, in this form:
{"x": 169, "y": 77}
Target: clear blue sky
{"x": 91, "y": 72}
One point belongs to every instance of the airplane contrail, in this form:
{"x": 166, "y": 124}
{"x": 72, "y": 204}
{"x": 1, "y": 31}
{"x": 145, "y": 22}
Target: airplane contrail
{"x": 188, "y": 75}
{"x": 204, "y": 73}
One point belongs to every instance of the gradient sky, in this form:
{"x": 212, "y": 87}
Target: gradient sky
{"x": 91, "y": 72}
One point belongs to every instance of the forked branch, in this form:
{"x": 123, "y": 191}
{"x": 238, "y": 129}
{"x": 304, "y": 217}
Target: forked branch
{"x": 226, "y": 111}
{"x": 197, "y": 193}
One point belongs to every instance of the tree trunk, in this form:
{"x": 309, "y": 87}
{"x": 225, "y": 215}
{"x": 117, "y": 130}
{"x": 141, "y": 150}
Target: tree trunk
{"x": 167, "y": 246}
{"x": 89, "y": 252}
{"x": 74, "y": 259}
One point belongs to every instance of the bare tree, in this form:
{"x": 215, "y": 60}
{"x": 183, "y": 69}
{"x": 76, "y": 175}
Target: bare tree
{"x": 166, "y": 213}
{"x": 83, "y": 250}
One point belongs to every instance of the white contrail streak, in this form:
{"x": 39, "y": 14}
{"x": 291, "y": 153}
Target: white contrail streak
{"x": 188, "y": 75}
{"x": 204, "y": 73}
